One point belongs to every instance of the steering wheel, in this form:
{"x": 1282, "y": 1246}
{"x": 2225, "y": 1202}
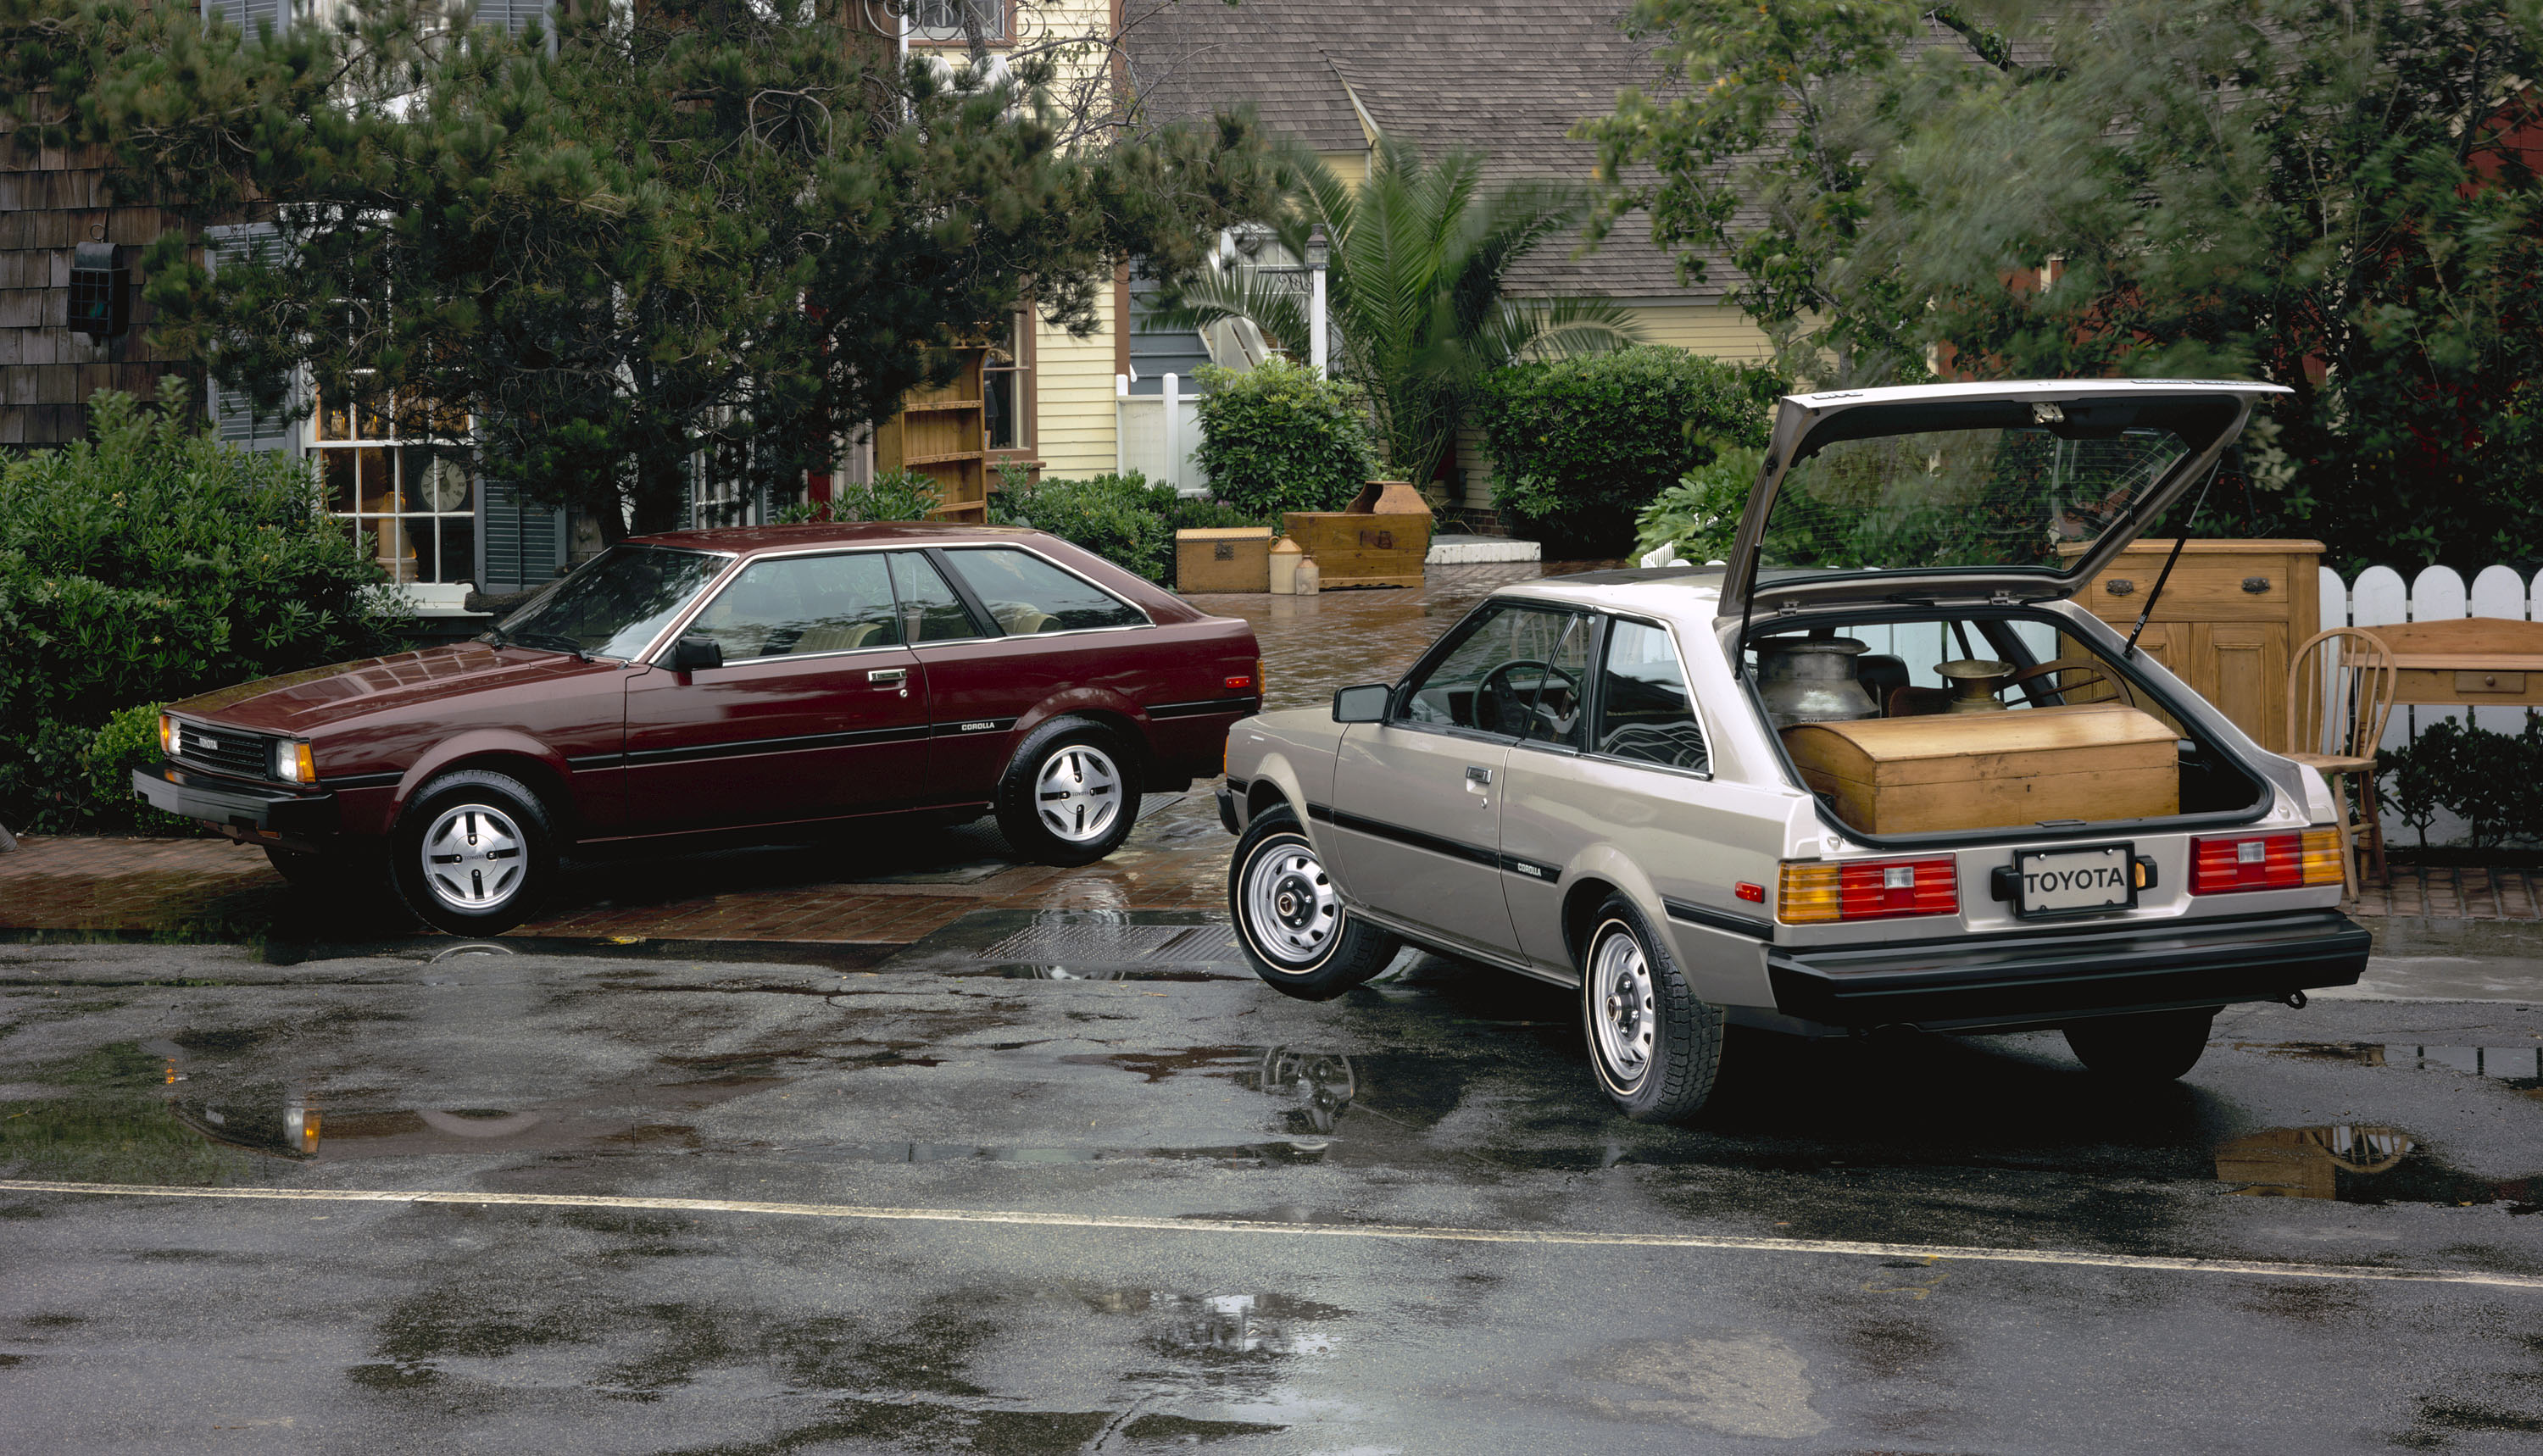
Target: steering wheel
{"x": 2093, "y": 671}
{"x": 1509, "y": 704}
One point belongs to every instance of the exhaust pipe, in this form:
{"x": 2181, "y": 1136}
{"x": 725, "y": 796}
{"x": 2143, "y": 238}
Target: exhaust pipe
{"x": 2295, "y": 1000}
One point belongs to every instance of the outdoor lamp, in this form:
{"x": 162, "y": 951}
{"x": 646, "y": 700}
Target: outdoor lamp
{"x": 1320, "y": 249}
{"x": 99, "y": 304}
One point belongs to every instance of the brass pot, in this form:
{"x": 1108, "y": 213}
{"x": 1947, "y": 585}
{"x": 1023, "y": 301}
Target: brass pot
{"x": 1811, "y": 679}
{"x": 1974, "y": 683}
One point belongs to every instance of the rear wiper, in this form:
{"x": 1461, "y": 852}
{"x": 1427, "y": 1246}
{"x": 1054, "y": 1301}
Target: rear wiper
{"x": 553, "y": 641}
{"x": 493, "y": 637}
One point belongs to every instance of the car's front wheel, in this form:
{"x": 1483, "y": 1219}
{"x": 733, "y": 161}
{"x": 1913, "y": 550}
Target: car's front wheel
{"x": 474, "y": 853}
{"x": 1654, "y": 1043}
{"x": 2148, "y": 1047}
{"x": 1290, "y": 916}
{"x": 1069, "y": 796}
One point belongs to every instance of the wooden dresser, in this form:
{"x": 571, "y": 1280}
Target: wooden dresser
{"x": 2228, "y": 620}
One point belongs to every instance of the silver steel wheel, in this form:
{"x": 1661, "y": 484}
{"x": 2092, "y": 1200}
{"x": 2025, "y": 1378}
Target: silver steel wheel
{"x": 1622, "y": 1012}
{"x": 1290, "y": 904}
{"x": 473, "y": 857}
{"x": 1078, "y": 793}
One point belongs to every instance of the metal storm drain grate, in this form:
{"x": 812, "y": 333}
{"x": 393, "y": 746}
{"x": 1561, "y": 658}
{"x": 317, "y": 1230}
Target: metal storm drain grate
{"x": 1113, "y": 944}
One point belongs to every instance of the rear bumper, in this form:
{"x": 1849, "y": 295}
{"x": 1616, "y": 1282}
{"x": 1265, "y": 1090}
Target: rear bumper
{"x": 2008, "y": 982}
{"x": 238, "y": 805}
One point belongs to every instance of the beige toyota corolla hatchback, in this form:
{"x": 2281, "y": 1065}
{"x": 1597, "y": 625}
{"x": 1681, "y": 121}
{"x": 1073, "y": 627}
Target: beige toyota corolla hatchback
{"x": 1878, "y": 770}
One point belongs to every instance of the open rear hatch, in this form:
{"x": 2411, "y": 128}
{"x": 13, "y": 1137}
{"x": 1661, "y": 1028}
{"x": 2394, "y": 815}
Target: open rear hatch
{"x": 1966, "y": 493}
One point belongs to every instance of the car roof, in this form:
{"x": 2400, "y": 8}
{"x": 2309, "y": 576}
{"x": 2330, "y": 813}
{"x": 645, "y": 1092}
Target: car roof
{"x": 754, "y": 540}
{"x": 2021, "y": 389}
{"x": 1656, "y": 591}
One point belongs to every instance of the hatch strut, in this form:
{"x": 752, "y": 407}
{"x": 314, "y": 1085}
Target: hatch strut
{"x": 2179, "y": 541}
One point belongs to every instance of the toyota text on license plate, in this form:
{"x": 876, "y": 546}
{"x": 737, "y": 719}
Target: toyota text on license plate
{"x": 2074, "y": 882}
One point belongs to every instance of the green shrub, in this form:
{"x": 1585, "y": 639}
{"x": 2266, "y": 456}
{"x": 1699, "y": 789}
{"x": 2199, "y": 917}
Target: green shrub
{"x": 128, "y": 740}
{"x": 2493, "y": 782}
{"x": 1581, "y": 445}
{"x": 150, "y": 566}
{"x": 894, "y": 496}
{"x": 1701, "y": 512}
{"x": 1276, "y": 439}
{"x": 1120, "y": 517}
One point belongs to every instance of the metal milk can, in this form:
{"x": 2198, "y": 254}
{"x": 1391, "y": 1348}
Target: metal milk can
{"x": 1811, "y": 679}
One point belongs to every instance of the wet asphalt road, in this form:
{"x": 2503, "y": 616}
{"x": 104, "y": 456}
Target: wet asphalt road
{"x": 2405, "y": 1134}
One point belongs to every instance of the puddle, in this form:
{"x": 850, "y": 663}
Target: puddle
{"x": 280, "y": 1122}
{"x": 2521, "y": 1067}
{"x": 1081, "y": 945}
{"x": 2359, "y": 1163}
{"x": 1228, "y": 1324}
{"x": 1294, "y": 1151}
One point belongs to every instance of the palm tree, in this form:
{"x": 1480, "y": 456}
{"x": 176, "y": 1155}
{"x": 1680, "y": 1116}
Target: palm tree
{"x": 1413, "y": 292}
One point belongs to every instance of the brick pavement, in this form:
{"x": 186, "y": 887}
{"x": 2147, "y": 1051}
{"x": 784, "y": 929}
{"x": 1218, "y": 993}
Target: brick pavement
{"x": 1176, "y": 858}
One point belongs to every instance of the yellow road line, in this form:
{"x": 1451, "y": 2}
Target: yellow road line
{"x": 2261, "y": 1269}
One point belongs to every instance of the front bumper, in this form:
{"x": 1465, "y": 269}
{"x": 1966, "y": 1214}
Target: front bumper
{"x": 1227, "y": 812}
{"x": 2042, "y": 979}
{"x": 198, "y": 796}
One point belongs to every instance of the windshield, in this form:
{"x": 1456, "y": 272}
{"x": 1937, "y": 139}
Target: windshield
{"x": 1990, "y": 495}
{"x": 615, "y": 603}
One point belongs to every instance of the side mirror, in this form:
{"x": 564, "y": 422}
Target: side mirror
{"x": 696, "y": 651}
{"x": 1363, "y": 704}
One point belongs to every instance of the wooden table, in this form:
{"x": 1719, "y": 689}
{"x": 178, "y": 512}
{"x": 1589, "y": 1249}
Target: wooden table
{"x": 2465, "y": 661}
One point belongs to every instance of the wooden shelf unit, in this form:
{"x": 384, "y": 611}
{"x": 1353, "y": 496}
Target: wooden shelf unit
{"x": 942, "y": 435}
{"x": 2227, "y": 621}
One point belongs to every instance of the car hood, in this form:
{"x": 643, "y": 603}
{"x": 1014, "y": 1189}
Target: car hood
{"x": 300, "y": 703}
{"x": 1971, "y": 492}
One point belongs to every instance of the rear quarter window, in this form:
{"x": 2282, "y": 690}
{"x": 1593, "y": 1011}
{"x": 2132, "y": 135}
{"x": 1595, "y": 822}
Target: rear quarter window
{"x": 1026, "y": 595}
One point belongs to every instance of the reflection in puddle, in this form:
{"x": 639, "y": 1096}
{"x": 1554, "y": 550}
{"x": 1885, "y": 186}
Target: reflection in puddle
{"x": 2516, "y": 1064}
{"x": 2358, "y": 1163}
{"x": 1228, "y": 1324}
{"x": 1325, "y": 1083}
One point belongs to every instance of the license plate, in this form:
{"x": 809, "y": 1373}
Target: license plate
{"x": 2074, "y": 882}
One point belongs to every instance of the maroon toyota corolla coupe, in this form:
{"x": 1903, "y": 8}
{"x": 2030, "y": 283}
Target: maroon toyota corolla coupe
{"x": 763, "y": 681}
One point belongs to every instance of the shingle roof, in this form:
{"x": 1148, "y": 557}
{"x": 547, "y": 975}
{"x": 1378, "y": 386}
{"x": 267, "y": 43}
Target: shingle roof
{"x": 1505, "y": 77}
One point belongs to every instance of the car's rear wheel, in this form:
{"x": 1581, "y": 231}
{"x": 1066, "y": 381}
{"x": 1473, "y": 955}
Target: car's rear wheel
{"x": 1070, "y": 793}
{"x": 2151, "y": 1047}
{"x": 474, "y": 853}
{"x": 1290, "y": 914}
{"x": 1654, "y": 1045}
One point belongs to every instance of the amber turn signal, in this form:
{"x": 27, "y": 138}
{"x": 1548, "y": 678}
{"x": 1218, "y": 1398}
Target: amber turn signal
{"x": 293, "y": 764}
{"x": 167, "y": 734}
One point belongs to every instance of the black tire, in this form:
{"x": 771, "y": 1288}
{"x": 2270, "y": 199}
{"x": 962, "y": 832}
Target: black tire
{"x": 1290, "y": 918}
{"x": 1654, "y": 1045}
{"x": 504, "y": 843}
{"x": 349, "y": 872}
{"x": 1073, "y": 753}
{"x": 2145, "y": 1049}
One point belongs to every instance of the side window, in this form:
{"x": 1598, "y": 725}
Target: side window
{"x": 801, "y": 605}
{"x": 929, "y": 609}
{"x": 1501, "y": 670}
{"x": 1645, "y": 711}
{"x": 1027, "y": 594}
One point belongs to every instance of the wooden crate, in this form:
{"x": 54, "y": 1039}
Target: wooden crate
{"x": 1223, "y": 559}
{"x": 939, "y": 433}
{"x": 2094, "y": 762}
{"x": 2226, "y": 622}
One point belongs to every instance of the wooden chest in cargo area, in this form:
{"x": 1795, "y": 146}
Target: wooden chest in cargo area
{"x": 1947, "y": 771}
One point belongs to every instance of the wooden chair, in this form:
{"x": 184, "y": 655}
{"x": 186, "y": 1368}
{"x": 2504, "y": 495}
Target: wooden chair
{"x": 2340, "y": 692}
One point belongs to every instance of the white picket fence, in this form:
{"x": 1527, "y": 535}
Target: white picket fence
{"x": 2381, "y": 598}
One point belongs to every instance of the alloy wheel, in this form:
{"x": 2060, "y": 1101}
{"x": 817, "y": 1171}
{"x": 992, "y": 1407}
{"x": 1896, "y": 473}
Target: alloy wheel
{"x": 473, "y": 857}
{"x": 1078, "y": 793}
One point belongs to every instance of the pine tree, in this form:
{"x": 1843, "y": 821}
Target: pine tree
{"x": 684, "y": 235}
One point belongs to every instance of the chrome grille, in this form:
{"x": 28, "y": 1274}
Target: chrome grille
{"x": 226, "y": 750}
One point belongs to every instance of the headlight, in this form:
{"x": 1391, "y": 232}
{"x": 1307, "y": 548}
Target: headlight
{"x": 292, "y": 762}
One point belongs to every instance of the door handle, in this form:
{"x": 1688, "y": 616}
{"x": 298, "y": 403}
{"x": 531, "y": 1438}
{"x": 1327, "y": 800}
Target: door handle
{"x": 1476, "y": 775}
{"x": 889, "y": 676}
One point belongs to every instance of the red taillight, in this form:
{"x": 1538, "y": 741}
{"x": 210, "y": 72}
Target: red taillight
{"x": 1868, "y": 890}
{"x": 1883, "y": 888}
{"x": 2240, "y": 862}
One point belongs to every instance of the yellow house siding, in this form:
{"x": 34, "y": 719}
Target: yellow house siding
{"x": 1074, "y": 398}
{"x": 1715, "y": 329}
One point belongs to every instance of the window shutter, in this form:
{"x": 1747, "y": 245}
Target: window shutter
{"x": 235, "y": 416}
{"x": 515, "y": 16}
{"x": 522, "y": 542}
{"x": 247, "y": 14}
